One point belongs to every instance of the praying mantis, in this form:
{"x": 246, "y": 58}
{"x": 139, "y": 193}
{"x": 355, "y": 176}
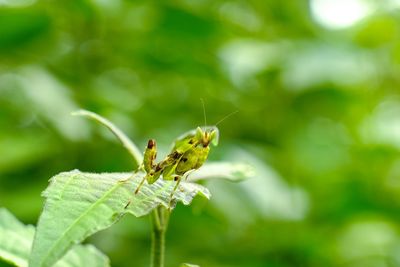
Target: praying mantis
{"x": 189, "y": 153}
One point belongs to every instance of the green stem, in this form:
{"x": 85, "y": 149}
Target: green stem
{"x": 157, "y": 249}
{"x": 159, "y": 220}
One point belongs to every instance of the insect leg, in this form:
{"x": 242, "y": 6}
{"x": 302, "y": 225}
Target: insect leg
{"x": 140, "y": 185}
{"x": 150, "y": 154}
{"x": 178, "y": 179}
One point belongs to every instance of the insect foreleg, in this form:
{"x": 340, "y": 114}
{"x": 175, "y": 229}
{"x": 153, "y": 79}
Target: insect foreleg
{"x": 149, "y": 157}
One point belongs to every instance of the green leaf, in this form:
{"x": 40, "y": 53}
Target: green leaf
{"x": 126, "y": 142}
{"x": 16, "y": 241}
{"x": 223, "y": 170}
{"x": 189, "y": 265}
{"x": 81, "y": 204}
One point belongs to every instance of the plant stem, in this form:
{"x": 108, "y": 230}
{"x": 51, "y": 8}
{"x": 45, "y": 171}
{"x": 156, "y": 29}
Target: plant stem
{"x": 159, "y": 220}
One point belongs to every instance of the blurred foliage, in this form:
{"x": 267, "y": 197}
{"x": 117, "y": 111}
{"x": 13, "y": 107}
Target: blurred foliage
{"x": 319, "y": 116}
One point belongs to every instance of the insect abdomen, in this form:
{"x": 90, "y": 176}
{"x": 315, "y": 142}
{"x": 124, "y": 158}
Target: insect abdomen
{"x": 192, "y": 159}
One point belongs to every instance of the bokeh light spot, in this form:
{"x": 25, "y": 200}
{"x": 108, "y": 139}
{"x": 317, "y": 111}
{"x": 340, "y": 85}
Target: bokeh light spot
{"x": 338, "y": 14}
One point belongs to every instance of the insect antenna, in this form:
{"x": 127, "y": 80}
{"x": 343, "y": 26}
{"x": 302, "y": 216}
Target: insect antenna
{"x": 227, "y": 116}
{"x": 204, "y": 113}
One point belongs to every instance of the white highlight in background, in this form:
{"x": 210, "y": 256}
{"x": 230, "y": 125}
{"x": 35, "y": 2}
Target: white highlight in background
{"x": 339, "y": 14}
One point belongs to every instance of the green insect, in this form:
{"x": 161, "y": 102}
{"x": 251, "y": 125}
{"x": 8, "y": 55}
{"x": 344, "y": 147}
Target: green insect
{"x": 189, "y": 153}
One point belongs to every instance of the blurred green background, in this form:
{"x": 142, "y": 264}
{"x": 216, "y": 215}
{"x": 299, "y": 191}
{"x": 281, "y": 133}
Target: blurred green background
{"x": 316, "y": 84}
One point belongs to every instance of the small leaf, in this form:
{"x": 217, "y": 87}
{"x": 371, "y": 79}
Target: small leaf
{"x": 126, "y": 142}
{"x": 223, "y": 170}
{"x": 16, "y": 240}
{"x": 81, "y": 204}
